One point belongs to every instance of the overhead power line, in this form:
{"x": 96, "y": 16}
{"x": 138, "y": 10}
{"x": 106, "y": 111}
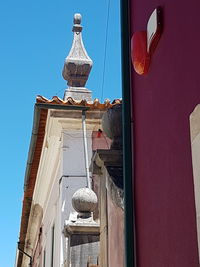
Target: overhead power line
{"x": 105, "y": 50}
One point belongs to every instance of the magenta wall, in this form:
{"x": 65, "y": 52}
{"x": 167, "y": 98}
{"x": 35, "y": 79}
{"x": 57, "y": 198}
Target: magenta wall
{"x": 162, "y": 102}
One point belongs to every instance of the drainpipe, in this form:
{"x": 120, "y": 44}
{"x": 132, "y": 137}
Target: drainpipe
{"x": 129, "y": 220}
{"x": 85, "y": 150}
{"x": 23, "y": 252}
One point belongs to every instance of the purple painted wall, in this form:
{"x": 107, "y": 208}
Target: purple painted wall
{"x": 162, "y": 102}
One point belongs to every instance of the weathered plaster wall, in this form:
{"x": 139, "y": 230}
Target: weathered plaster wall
{"x": 51, "y": 219}
{"x": 115, "y": 234}
{"x": 111, "y": 211}
{"x": 35, "y": 220}
{"x": 73, "y": 152}
{"x": 100, "y": 140}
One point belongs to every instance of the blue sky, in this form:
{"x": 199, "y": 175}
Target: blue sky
{"x": 35, "y": 38}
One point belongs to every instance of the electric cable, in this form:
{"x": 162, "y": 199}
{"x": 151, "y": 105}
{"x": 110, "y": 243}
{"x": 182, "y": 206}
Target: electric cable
{"x": 105, "y": 50}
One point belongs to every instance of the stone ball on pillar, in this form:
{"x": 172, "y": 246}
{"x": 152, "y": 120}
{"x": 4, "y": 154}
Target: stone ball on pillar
{"x": 84, "y": 200}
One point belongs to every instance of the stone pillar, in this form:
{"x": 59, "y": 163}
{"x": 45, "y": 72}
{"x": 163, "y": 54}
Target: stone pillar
{"x": 83, "y": 232}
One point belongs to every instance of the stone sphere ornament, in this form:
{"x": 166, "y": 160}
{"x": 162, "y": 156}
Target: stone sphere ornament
{"x": 112, "y": 125}
{"x": 84, "y": 200}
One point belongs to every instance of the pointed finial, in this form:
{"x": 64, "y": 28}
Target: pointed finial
{"x": 77, "y": 65}
{"x": 77, "y": 21}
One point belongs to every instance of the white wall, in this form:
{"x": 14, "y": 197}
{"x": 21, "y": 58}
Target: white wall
{"x": 61, "y": 172}
{"x": 74, "y": 175}
{"x": 73, "y": 152}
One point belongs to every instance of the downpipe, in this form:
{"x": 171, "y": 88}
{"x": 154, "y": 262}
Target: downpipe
{"x": 23, "y": 252}
{"x": 85, "y": 149}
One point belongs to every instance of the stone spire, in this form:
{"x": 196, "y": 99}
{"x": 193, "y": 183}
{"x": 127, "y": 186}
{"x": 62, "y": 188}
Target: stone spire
{"x": 77, "y": 66}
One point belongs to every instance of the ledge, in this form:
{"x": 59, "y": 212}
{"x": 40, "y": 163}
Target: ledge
{"x": 81, "y": 228}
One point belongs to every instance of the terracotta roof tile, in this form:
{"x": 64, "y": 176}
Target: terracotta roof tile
{"x": 95, "y": 104}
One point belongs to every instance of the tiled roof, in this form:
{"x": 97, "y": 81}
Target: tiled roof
{"x": 95, "y": 104}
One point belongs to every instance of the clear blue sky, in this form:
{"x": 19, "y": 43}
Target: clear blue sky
{"x": 35, "y": 38}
